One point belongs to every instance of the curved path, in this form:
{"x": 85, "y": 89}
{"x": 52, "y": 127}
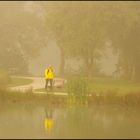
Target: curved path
{"x": 38, "y": 83}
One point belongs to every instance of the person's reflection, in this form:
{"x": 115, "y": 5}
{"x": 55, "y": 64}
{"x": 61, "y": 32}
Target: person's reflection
{"x": 48, "y": 121}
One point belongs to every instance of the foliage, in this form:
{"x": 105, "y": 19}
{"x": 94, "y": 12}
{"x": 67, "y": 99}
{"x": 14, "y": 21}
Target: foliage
{"x": 78, "y": 33}
{"x": 86, "y": 26}
{"x": 125, "y": 40}
{"x": 77, "y": 90}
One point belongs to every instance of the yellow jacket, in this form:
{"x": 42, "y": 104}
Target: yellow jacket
{"x": 49, "y": 74}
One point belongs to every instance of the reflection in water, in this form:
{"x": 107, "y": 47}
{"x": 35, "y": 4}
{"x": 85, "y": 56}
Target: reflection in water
{"x": 48, "y": 121}
{"x": 34, "y": 121}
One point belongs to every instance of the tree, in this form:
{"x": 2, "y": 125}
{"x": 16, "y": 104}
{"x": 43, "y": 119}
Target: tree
{"x": 77, "y": 32}
{"x": 123, "y": 30}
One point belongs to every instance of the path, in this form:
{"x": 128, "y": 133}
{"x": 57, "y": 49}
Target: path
{"x": 38, "y": 83}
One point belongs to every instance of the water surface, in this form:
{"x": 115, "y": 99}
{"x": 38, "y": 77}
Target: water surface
{"x": 47, "y": 121}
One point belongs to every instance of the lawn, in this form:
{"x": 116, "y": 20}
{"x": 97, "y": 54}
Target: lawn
{"x": 106, "y": 85}
{"x": 16, "y": 81}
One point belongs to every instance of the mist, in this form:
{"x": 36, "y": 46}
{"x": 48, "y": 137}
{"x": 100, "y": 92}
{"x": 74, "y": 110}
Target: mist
{"x": 69, "y": 69}
{"x": 71, "y": 36}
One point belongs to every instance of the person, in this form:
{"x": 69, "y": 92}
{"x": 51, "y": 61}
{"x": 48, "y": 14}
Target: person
{"x": 49, "y": 75}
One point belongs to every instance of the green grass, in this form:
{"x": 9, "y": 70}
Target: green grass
{"x": 106, "y": 85}
{"x": 110, "y": 88}
{"x": 19, "y": 81}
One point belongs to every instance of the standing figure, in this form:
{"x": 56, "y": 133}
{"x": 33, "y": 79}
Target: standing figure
{"x": 49, "y": 75}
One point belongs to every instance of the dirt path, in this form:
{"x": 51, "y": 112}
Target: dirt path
{"x": 38, "y": 82}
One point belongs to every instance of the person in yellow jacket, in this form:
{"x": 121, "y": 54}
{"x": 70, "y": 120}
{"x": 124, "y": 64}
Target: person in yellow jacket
{"x": 49, "y": 75}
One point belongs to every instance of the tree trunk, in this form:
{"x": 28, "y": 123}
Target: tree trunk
{"x": 91, "y": 65}
{"x": 89, "y": 62}
{"x": 87, "y": 66}
{"x": 62, "y": 63}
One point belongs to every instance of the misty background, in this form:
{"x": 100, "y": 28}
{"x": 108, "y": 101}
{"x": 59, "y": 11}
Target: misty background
{"x": 85, "y": 38}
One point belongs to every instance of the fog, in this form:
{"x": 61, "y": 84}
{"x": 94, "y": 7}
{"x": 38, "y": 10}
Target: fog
{"x": 37, "y": 65}
{"x": 69, "y": 69}
{"x": 49, "y": 55}
{"x": 74, "y": 37}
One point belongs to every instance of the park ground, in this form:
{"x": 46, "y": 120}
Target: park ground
{"x": 101, "y": 90}
{"x": 96, "y": 85}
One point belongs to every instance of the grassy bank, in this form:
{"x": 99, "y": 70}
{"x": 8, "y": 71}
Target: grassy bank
{"x": 128, "y": 100}
{"x": 102, "y": 91}
{"x": 29, "y": 97}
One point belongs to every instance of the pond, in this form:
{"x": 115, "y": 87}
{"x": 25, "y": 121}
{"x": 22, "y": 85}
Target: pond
{"x": 48, "y": 121}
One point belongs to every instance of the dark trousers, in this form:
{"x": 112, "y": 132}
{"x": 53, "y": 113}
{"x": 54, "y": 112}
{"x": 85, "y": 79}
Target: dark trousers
{"x": 51, "y": 83}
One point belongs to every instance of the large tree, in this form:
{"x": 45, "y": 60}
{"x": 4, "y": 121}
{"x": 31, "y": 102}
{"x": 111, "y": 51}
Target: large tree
{"x": 78, "y": 29}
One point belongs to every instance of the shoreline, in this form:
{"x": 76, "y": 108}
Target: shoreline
{"x": 129, "y": 100}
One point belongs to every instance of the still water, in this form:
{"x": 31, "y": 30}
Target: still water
{"x": 47, "y": 121}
